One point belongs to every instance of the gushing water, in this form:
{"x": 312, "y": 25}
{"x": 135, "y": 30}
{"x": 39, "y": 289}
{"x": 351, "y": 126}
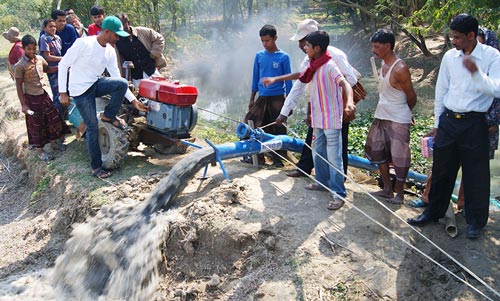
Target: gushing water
{"x": 114, "y": 255}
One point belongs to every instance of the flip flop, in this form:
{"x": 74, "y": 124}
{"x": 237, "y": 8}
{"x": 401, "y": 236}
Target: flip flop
{"x": 101, "y": 173}
{"x": 418, "y": 203}
{"x": 335, "y": 205}
{"x": 45, "y": 157}
{"x": 116, "y": 122}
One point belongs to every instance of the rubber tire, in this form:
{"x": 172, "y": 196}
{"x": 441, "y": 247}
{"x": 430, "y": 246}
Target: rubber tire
{"x": 114, "y": 145}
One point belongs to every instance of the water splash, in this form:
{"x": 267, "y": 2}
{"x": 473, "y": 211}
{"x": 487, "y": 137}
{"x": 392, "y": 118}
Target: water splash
{"x": 115, "y": 254}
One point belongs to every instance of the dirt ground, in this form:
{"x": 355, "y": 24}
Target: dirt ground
{"x": 260, "y": 236}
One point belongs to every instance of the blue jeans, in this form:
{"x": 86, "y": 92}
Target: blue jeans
{"x": 85, "y": 103}
{"x": 328, "y": 144}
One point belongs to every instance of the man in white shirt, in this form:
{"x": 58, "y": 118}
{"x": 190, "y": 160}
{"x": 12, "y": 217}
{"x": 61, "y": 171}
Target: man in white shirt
{"x": 88, "y": 58}
{"x": 463, "y": 94}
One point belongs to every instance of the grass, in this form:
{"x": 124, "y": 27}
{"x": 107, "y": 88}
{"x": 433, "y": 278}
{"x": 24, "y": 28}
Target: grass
{"x": 4, "y": 47}
{"x": 217, "y": 132}
{"x": 41, "y": 187}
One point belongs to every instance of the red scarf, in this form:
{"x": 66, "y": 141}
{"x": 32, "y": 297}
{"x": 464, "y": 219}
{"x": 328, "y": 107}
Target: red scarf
{"x": 314, "y": 64}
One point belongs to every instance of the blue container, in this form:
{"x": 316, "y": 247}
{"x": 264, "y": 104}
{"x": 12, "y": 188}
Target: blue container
{"x": 74, "y": 115}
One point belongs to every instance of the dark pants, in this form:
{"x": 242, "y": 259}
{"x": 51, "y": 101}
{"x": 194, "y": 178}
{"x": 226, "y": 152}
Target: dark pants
{"x": 306, "y": 159}
{"x": 462, "y": 141}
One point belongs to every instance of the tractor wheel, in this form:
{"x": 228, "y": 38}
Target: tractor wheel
{"x": 114, "y": 145}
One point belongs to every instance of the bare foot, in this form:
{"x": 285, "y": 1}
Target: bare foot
{"x": 384, "y": 194}
{"x": 396, "y": 200}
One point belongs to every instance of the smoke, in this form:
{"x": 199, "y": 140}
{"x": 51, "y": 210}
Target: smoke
{"x": 221, "y": 65}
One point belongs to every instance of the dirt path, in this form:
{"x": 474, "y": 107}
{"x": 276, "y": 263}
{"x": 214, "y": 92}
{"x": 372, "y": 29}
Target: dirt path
{"x": 261, "y": 236}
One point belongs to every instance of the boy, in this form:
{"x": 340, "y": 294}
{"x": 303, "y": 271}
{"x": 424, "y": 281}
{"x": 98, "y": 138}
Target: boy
{"x": 50, "y": 49}
{"x": 326, "y": 114}
{"x": 269, "y": 62}
{"x": 42, "y": 120}
{"x": 65, "y": 31}
{"x": 97, "y": 14}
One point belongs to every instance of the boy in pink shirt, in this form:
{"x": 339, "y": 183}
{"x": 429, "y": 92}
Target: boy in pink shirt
{"x": 326, "y": 114}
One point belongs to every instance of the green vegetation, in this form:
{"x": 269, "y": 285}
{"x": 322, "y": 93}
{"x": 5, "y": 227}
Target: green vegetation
{"x": 416, "y": 19}
{"x": 41, "y": 186}
{"x": 217, "y": 132}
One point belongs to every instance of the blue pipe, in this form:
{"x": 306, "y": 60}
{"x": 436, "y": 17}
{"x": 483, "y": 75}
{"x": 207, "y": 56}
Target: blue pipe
{"x": 363, "y": 163}
{"x": 257, "y": 140}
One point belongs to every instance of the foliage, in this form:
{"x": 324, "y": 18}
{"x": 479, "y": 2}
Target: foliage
{"x": 216, "y": 131}
{"x": 438, "y": 14}
{"x": 41, "y": 186}
{"x": 26, "y": 15}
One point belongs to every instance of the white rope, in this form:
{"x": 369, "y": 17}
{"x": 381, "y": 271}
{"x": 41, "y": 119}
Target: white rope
{"x": 380, "y": 224}
{"x": 389, "y": 230}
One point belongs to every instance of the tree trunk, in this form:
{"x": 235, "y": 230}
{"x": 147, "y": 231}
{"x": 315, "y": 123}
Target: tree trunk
{"x": 419, "y": 40}
{"x": 250, "y": 8}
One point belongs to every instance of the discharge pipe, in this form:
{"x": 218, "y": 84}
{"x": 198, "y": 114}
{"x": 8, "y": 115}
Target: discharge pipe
{"x": 256, "y": 141}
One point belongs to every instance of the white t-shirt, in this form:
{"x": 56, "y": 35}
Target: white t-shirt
{"x": 87, "y": 60}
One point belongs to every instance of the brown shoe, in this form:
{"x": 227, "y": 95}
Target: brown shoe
{"x": 296, "y": 174}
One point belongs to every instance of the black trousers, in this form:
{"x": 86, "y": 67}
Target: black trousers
{"x": 461, "y": 141}
{"x": 306, "y": 159}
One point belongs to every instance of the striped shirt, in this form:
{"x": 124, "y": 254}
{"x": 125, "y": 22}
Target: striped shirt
{"x": 326, "y": 97}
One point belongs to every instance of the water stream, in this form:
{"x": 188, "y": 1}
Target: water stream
{"x": 115, "y": 254}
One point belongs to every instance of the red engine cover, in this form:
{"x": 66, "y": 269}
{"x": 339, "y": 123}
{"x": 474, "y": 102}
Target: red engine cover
{"x": 162, "y": 90}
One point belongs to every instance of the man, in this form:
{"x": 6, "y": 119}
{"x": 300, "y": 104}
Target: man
{"x": 87, "y": 59}
{"x": 388, "y": 139}
{"x": 69, "y": 11}
{"x": 97, "y": 15}
{"x": 144, "y": 47}
{"x": 74, "y": 20}
{"x": 306, "y": 163}
{"x": 16, "y": 52}
{"x": 66, "y": 32}
{"x": 469, "y": 78}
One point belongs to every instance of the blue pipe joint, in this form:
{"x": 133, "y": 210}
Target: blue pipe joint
{"x": 243, "y": 131}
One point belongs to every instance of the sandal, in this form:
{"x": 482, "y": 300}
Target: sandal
{"x": 418, "y": 203}
{"x": 116, "y": 122}
{"x": 336, "y": 204}
{"x": 45, "y": 157}
{"x": 101, "y": 173}
{"x": 314, "y": 186}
